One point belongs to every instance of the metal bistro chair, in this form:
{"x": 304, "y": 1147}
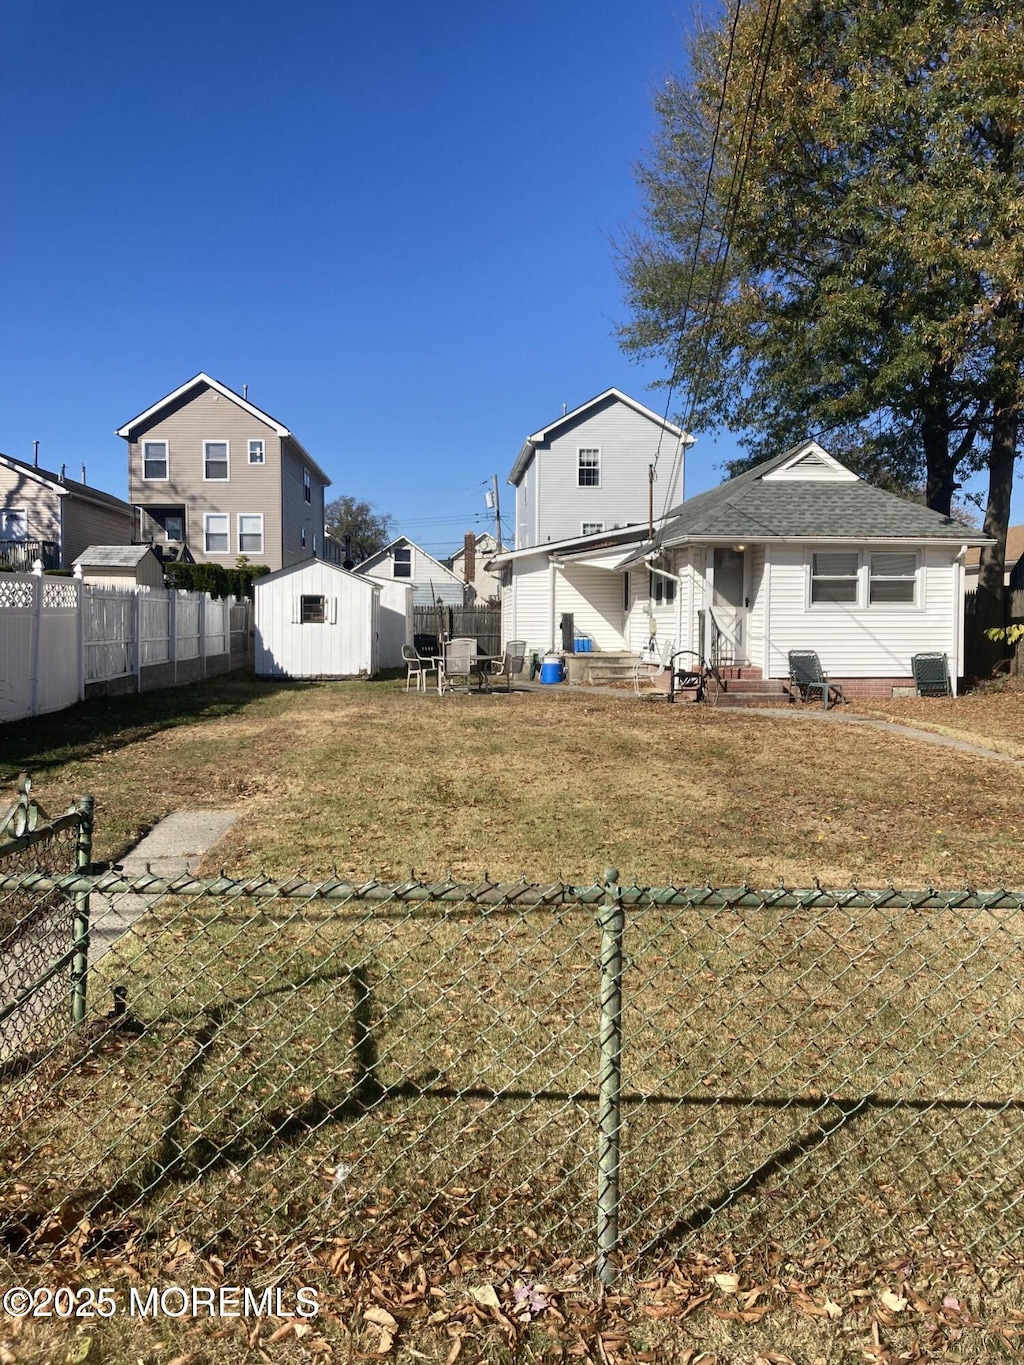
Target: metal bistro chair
{"x": 417, "y": 666}
{"x": 513, "y": 662}
{"x": 931, "y": 675}
{"x": 806, "y": 676}
{"x": 458, "y": 661}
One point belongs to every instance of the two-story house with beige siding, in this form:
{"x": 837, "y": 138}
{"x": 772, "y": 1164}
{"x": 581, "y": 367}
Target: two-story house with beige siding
{"x": 589, "y": 470}
{"x": 211, "y": 471}
{"x": 50, "y": 517}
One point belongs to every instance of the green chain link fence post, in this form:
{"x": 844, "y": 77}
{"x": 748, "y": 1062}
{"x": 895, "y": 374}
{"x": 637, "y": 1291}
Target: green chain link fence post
{"x": 83, "y": 864}
{"x": 612, "y": 921}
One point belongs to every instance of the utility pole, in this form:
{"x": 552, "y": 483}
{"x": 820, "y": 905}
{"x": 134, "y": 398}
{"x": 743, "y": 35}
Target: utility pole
{"x": 497, "y": 511}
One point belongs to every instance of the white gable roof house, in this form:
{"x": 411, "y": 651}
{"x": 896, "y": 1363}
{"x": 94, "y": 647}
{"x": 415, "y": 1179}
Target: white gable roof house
{"x": 407, "y": 562}
{"x": 587, "y": 471}
{"x": 798, "y": 553}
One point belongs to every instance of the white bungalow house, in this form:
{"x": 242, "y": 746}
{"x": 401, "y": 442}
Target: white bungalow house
{"x": 407, "y": 562}
{"x": 797, "y": 553}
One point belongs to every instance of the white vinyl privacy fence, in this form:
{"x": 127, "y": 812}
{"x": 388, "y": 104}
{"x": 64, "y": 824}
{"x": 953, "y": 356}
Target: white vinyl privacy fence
{"x": 62, "y": 640}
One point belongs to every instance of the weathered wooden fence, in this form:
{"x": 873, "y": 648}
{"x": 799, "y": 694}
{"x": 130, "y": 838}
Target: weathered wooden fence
{"x": 482, "y": 624}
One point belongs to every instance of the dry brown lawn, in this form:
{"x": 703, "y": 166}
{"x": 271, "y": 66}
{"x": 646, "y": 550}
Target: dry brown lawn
{"x": 992, "y": 716}
{"x": 368, "y": 779}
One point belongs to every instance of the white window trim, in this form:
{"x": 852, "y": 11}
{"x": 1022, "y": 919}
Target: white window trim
{"x": 596, "y": 527}
{"x": 150, "y": 478}
{"x": 206, "y": 532}
{"x": 258, "y": 440}
{"x": 863, "y": 601}
{"x": 22, "y": 514}
{"x": 238, "y": 524}
{"x": 214, "y": 441}
{"x": 598, "y": 451}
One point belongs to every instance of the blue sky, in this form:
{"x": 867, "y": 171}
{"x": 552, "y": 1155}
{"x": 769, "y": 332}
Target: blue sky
{"x": 392, "y": 221}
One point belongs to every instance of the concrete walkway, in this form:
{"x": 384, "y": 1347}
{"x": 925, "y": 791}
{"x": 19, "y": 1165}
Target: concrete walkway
{"x": 175, "y": 846}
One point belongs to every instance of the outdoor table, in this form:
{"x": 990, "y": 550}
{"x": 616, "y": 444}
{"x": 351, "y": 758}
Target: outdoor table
{"x": 480, "y": 664}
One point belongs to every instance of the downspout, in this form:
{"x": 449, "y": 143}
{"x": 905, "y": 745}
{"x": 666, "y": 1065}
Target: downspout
{"x": 959, "y": 560}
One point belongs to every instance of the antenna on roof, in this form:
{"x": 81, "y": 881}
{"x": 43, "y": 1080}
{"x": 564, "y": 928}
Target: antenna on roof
{"x": 83, "y": 473}
{"x": 35, "y": 453}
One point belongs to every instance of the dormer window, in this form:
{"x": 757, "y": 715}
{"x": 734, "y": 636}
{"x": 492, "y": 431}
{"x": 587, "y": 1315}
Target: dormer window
{"x": 589, "y": 467}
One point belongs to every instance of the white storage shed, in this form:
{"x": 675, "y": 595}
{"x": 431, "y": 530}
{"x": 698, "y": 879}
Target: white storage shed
{"x": 316, "y": 620}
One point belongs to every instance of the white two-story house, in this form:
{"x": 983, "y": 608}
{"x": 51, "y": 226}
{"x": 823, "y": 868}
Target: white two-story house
{"x": 590, "y": 471}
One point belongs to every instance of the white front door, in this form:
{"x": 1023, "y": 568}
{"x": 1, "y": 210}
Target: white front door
{"x": 728, "y": 601}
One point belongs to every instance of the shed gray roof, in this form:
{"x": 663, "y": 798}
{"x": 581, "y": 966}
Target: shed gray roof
{"x": 748, "y": 508}
{"x": 113, "y": 556}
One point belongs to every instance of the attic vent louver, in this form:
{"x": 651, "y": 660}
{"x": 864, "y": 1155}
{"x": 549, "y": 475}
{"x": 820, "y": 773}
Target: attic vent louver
{"x": 812, "y": 460}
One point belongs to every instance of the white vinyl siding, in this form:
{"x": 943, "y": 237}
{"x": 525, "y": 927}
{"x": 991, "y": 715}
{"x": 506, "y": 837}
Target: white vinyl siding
{"x": 858, "y": 640}
{"x": 250, "y": 533}
{"x": 216, "y": 461}
{"x": 555, "y": 504}
{"x": 155, "y": 461}
{"x": 217, "y": 533}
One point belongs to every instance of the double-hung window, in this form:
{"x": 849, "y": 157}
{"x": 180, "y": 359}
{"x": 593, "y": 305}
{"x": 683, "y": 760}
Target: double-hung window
{"x": 215, "y": 459}
{"x": 589, "y": 528}
{"x": 662, "y": 590}
{"x": 154, "y": 460}
{"x": 589, "y": 467}
{"x": 834, "y": 576}
{"x": 307, "y": 486}
{"x": 257, "y": 452}
{"x": 892, "y": 576}
{"x": 402, "y": 562}
{"x": 216, "y": 533}
{"x": 250, "y": 533}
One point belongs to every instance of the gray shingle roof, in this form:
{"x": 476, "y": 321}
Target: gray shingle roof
{"x": 747, "y": 508}
{"x": 112, "y": 556}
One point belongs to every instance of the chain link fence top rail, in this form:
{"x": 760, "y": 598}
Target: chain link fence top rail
{"x": 265, "y": 1064}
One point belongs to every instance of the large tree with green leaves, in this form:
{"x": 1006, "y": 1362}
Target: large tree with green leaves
{"x": 358, "y": 522}
{"x": 873, "y": 287}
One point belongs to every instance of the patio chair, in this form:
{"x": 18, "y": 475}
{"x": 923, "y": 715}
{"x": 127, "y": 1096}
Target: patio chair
{"x": 457, "y": 662}
{"x": 513, "y": 662}
{"x": 806, "y": 676}
{"x": 931, "y": 675}
{"x": 418, "y": 666}
{"x": 654, "y": 661}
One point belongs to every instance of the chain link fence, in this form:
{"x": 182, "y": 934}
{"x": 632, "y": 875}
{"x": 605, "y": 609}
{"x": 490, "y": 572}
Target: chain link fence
{"x": 555, "y": 1074}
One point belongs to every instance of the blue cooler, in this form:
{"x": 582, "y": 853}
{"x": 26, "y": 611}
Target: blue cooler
{"x": 552, "y": 670}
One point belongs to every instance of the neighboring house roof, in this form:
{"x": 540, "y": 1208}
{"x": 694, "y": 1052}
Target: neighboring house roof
{"x": 752, "y": 506}
{"x": 144, "y": 418}
{"x": 545, "y": 434}
{"x": 62, "y": 484}
{"x": 381, "y": 555}
{"x": 1014, "y": 548}
{"x": 113, "y": 556}
{"x": 596, "y": 540}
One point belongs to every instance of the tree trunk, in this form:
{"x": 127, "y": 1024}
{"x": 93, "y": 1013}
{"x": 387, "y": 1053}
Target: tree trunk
{"x": 940, "y": 464}
{"x": 990, "y": 610}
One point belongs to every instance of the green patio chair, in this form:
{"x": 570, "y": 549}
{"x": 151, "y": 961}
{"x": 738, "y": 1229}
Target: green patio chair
{"x": 807, "y": 676}
{"x": 931, "y": 675}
